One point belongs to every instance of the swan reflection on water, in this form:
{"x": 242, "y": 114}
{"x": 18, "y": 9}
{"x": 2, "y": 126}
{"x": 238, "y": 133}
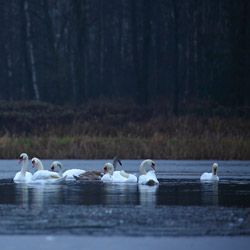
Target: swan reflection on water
{"x": 148, "y": 194}
{"x": 120, "y": 193}
{"x": 37, "y": 196}
{"x": 22, "y": 194}
{"x": 209, "y": 193}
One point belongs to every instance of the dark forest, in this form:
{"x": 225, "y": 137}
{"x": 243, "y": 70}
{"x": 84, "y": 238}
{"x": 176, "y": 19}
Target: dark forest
{"x": 144, "y": 78}
{"x": 185, "y": 53}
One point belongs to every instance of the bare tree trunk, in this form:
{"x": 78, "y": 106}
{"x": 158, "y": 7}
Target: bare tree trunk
{"x": 31, "y": 51}
{"x": 176, "y": 58}
{"x": 10, "y": 76}
{"x": 101, "y": 45}
{"x": 143, "y": 87}
{"x": 134, "y": 45}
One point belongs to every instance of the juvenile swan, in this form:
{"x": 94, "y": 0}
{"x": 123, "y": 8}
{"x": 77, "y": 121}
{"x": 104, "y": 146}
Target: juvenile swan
{"x": 96, "y": 175}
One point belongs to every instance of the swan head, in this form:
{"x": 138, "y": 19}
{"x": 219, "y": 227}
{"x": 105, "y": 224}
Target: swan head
{"x": 215, "y": 168}
{"x": 146, "y": 163}
{"x": 34, "y": 161}
{"x": 150, "y": 163}
{"x": 22, "y": 157}
{"x": 108, "y": 167}
{"x": 55, "y": 164}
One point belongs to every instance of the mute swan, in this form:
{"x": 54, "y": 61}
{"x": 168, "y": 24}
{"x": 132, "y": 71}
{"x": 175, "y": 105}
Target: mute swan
{"x": 117, "y": 176}
{"x": 42, "y": 175}
{"x": 96, "y": 175}
{"x": 147, "y": 178}
{"x": 23, "y": 175}
{"x": 69, "y": 174}
{"x": 211, "y": 176}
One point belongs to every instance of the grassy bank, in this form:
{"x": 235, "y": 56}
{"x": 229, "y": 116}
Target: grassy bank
{"x": 103, "y": 131}
{"x": 158, "y": 147}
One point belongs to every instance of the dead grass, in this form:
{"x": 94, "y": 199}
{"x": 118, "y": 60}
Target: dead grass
{"x": 131, "y": 132}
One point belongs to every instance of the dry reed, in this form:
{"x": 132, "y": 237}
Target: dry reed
{"x": 49, "y": 131}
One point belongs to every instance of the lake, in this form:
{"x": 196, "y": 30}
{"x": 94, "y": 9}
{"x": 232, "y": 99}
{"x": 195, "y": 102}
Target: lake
{"x": 180, "y": 206}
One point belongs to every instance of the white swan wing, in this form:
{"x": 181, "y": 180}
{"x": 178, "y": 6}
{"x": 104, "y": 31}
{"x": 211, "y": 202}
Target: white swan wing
{"x": 142, "y": 179}
{"x": 69, "y": 174}
{"x": 107, "y": 178}
{"x": 118, "y": 177}
{"x": 56, "y": 180}
{"x": 20, "y": 177}
{"x": 148, "y": 178}
{"x": 132, "y": 179}
{"x": 209, "y": 177}
{"x": 44, "y": 175}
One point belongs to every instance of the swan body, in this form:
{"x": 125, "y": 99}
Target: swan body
{"x": 69, "y": 174}
{"x": 43, "y": 176}
{"x": 96, "y": 175}
{"x": 147, "y": 178}
{"x": 89, "y": 176}
{"x": 73, "y": 172}
{"x": 117, "y": 176}
{"x": 211, "y": 176}
{"x": 23, "y": 175}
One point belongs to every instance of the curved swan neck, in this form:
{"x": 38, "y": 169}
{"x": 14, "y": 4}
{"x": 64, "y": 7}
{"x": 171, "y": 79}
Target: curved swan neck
{"x": 110, "y": 168}
{"x": 115, "y": 160}
{"x": 24, "y": 166}
{"x": 39, "y": 165}
{"x": 143, "y": 167}
{"x": 59, "y": 164}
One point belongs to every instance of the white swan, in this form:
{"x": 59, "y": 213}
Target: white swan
{"x": 117, "y": 176}
{"x": 147, "y": 178}
{"x": 42, "y": 176}
{"x": 69, "y": 174}
{"x": 23, "y": 175}
{"x": 211, "y": 176}
{"x": 96, "y": 175}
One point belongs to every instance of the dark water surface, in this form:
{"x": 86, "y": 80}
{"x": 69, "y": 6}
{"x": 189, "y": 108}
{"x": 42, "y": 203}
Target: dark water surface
{"x": 180, "y": 206}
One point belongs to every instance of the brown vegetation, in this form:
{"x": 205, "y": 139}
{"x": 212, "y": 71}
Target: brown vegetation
{"x": 105, "y": 130}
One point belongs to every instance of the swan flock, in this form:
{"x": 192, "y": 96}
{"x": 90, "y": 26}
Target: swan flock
{"x": 109, "y": 175}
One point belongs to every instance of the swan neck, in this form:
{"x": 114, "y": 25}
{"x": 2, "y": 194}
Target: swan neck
{"x": 111, "y": 170}
{"x": 143, "y": 168}
{"x": 115, "y": 164}
{"x": 115, "y": 160}
{"x": 24, "y": 166}
{"x": 60, "y": 169}
{"x": 39, "y": 165}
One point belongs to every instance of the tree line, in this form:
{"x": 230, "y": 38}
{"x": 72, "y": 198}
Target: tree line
{"x": 187, "y": 53}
